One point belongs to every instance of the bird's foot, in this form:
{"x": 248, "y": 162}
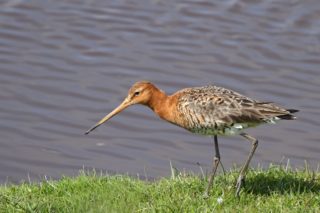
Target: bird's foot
{"x": 240, "y": 182}
{"x": 205, "y": 195}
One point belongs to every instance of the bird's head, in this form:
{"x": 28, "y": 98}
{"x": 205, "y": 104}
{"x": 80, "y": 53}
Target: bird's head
{"x": 139, "y": 93}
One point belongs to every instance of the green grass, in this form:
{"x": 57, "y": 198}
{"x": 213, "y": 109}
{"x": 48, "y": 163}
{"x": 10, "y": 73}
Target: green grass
{"x": 273, "y": 190}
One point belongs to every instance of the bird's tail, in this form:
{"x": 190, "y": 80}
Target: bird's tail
{"x": 292, "y": 110}
{"x": 289, "y": 116}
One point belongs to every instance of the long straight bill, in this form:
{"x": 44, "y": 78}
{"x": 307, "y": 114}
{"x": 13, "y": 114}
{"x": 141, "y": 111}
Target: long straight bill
{"x": 117, "y": 110}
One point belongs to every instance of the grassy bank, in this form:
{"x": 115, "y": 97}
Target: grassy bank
{"x": 272, "y": 190}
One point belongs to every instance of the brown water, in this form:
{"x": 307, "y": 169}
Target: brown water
{"x": 65, "y": 64}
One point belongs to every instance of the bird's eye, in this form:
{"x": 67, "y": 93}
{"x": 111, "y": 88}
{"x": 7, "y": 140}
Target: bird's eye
{"x": 137, "y": 93}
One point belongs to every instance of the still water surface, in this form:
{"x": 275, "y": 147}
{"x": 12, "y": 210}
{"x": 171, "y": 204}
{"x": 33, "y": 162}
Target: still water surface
{"x": 65, "y": 64}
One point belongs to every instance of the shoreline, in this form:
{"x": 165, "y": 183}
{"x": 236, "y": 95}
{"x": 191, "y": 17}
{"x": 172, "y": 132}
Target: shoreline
{"x": 275, "y": 189}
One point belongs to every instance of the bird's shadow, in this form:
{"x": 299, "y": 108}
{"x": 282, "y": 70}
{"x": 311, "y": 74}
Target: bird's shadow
{"x": 262, "y": 184}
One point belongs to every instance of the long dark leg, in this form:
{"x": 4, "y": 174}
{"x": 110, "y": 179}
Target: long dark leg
{"x": 216, "y": 161}
{"x": 245, "y": 166}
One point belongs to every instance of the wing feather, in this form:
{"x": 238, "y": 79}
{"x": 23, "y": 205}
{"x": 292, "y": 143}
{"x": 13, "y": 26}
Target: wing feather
{"x": 212, "y": 106}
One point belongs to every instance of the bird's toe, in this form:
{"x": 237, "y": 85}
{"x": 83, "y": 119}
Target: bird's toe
{"x": 240, "y": 182}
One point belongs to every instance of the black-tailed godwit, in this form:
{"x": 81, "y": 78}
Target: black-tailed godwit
{"x": 208, "y": 110}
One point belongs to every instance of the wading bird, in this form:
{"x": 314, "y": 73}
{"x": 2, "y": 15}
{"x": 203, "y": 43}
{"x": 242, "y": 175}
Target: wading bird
{"x": 208, "y": 110}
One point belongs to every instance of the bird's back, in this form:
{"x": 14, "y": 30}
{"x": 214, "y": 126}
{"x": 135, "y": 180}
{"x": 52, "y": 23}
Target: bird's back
{"x": 213, "y": 110}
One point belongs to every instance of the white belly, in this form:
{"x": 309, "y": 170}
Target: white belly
{"x": 226, "y": 130}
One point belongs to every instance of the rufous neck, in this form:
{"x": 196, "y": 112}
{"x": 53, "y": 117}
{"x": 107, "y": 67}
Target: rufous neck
{"x": 163, "y": 105}
{"x": 158, "y": 100}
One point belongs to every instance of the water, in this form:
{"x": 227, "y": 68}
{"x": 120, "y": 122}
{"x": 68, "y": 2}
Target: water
{"x": 65, "y": 64}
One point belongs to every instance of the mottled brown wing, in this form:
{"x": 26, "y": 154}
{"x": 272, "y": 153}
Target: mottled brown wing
{"x": 267, "y": 110}
{"x": 217, "y": 107}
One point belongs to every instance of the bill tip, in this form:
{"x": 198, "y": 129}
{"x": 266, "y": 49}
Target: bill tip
{"x": 88, "y": 131}
{"x": 91, "y": 129}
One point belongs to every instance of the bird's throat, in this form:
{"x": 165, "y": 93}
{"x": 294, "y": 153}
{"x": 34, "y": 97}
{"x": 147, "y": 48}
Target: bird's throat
{"x": 163, "y": 105}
